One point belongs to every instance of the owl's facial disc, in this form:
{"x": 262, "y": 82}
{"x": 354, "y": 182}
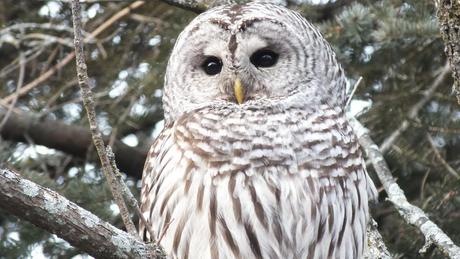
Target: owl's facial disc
{"x": 251, "y": 55}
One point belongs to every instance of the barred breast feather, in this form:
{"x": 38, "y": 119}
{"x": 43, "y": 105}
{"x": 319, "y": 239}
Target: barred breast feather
{"x": 257, "y": 182}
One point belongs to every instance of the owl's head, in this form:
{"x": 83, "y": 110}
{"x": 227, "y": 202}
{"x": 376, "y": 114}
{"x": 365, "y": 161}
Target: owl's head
{"x": 245, "y": 55}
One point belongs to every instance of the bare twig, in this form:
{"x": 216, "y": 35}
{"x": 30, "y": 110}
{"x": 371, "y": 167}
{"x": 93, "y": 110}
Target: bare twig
{"x": 43, "y": 77}
{"x": 439, "y": 157}
{"x": 54, "y": 213}
{"x": 196, "y": 6}
{"x": 35, "y": 26}
{"x": 411, "y": 214}
{"x": 413, "y": 112}
{"x": 56, "y": 95}
{"x": 445, "y": 130}
{"x": 352, "y": 93}
{"x": 122, "y": 118}
{"x": 48, "y": 38}
{"x": 29, "y": 54}
{"x": 129, "y": 197}
{"x": 422, "y": 186}
{"x": 88, "y": 102}
{"x": 22, "y": 71}
{"x": 122, "y": 13}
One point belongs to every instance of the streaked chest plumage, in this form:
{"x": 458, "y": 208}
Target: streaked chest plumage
{"x": 258, "y": 183}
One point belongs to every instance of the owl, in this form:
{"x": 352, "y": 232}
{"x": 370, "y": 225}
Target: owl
{"x": 256, "y": 159}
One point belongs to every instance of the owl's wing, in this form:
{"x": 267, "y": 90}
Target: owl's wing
{"x": 161, "y": 155}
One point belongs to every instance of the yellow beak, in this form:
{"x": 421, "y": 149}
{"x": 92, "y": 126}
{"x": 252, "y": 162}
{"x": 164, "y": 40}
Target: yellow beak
{"x": 239, "y": 91}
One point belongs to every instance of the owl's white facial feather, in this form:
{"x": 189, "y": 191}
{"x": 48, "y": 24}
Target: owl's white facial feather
{"x": 306, "y": 71}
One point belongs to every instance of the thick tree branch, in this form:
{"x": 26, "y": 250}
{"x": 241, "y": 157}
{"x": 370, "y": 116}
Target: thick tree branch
{"x": 54, "y": 213}
{"x": 449, "y": 24}
{"x": 71, "y": 139}
{"x": 376, "y": 246}
{"x": 411, "y": 214}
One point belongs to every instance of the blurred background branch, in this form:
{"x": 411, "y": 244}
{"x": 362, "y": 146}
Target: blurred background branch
{"x": 71, "y": 139}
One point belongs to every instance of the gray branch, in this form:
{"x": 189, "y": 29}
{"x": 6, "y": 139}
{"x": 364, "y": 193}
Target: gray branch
{"x": 413, "y": 112}
{"x": 411, "y": 214}
{"x": 88, "y": 102}
{"x": 54, "y": 213}
{"x": 376, "y": 248}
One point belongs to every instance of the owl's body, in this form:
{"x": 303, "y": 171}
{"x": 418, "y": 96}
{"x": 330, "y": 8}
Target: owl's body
{"x": 277, "y": 173}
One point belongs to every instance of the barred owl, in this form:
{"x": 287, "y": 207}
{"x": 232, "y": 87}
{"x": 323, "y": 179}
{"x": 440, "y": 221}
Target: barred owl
{"x": 256, "y": 159}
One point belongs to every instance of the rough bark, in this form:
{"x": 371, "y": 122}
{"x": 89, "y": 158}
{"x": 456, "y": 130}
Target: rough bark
{"x": 449, "y": 23}
{"x": 54, "y": 213}
{"x": 376, "y": 248}
{"x": 71, "y": 139}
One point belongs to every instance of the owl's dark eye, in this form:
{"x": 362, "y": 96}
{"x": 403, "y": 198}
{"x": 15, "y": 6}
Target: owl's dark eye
{"x": 264, "y": 58}
{"x": 212, "y": 65}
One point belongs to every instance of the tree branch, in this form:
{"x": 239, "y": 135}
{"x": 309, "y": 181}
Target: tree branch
{"x": 22, "y": 69}
{"x": 411, "y": 214}
{"x": 413, "y": 112}
{"x": 376, "y": 246}
{"x": 196, "y": 6}
{"x": 54, "y": 213}
{"x": 62, "y": 63}
{"x": 440, "y": 159}
{"x": 129, "y": 197}
{"x": 71, "y": 139}
{"x": 88, "y": 102}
